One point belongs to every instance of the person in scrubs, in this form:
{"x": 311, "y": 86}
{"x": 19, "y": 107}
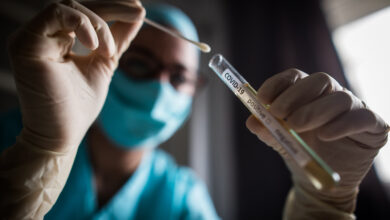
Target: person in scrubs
{"x": 118, "y": 172}
{"x": 94, "y": 122}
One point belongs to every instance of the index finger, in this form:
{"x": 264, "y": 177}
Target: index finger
{"x": 106, "y": 40}
{"x": 128, "y": 16}
{"x": 275, "y": 85}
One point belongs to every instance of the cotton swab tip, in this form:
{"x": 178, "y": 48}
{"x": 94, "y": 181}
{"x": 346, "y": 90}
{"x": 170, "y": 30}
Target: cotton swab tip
{"x": 204, "y": 47}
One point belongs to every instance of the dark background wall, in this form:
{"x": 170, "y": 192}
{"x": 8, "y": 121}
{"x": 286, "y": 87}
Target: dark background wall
{"x": 246, "y": 179}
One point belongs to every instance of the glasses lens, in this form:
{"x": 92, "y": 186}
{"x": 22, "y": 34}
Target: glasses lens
{"x": 138, "y": 66}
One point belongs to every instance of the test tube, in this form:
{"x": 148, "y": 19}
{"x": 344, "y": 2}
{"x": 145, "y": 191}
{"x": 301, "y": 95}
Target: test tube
{"x": 317, "y": 171}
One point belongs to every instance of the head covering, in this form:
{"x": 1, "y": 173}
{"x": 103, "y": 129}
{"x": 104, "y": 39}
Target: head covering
{"x": 172, "y": 17}
{"x": 145, "y": 114}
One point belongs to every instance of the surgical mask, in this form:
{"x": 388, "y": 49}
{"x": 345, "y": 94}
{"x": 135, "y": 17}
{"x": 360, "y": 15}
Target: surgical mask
{"x": 142, "y": 113}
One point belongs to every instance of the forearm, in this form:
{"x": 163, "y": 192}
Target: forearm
{"x": 301, "y": 205}
{"x": 31, "y": 179}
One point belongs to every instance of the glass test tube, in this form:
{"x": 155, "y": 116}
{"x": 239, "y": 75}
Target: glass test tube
{"x": 318, "y": 172}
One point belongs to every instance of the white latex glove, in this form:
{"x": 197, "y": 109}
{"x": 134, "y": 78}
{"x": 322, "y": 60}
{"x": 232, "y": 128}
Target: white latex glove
{"x": 60, "y": 95}
{"x": 336, "y": 124}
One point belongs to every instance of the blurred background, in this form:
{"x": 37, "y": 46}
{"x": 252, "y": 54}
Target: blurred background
{"x": 348, "y": 39}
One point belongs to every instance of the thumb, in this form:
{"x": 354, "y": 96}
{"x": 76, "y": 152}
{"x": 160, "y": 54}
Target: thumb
{"x": 258, "y": 129}
{"x": 128, "y": 17}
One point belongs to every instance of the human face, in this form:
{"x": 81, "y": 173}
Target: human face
{"x": 156, "y": 55}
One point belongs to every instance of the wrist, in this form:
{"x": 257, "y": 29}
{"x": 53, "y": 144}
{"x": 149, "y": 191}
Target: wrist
{"x": 339, "y": 198}
{"x": 28, "y": 138}
{"x": 301, "y": 205}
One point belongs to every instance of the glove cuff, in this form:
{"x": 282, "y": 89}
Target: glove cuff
{"x": 302, "y": 205}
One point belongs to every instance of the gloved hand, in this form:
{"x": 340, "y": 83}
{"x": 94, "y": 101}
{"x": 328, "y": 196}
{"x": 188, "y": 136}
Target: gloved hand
{"x": 336, "y": 125}
{"x": 60, "y": 95}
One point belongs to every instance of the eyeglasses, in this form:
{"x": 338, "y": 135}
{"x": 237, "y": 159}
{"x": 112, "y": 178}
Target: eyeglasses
{"x": 141, "y": 64}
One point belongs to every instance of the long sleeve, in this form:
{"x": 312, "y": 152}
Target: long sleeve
{"x": 31, "y": 180}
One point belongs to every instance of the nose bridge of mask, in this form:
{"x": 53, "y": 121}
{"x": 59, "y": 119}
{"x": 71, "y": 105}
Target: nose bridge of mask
{"x": 140, "y": 94}
{"x": 171, "y": 103}
{"x": 159, "y": 98}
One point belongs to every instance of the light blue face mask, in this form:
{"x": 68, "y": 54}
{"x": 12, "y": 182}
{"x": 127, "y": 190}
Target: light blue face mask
{"x": 142, "y": 113}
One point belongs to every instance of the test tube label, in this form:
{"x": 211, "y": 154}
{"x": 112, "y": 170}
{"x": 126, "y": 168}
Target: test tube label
{"x": 232, "y": 82}
{"x": 277, "y": 130}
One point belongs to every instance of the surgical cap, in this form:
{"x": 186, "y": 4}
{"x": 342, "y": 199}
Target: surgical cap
{"x": 172, "y": 17}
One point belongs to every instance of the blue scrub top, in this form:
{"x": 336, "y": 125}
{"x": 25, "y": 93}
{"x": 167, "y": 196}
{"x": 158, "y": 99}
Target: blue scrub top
{"x": 159, "y": 189}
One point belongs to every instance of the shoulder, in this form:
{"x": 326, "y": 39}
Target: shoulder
{"x": 190, "y": 192}
{"x": 165, "y": 166}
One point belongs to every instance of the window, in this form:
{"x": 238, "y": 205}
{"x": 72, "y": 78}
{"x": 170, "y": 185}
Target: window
{"x": 364, "y": 48}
